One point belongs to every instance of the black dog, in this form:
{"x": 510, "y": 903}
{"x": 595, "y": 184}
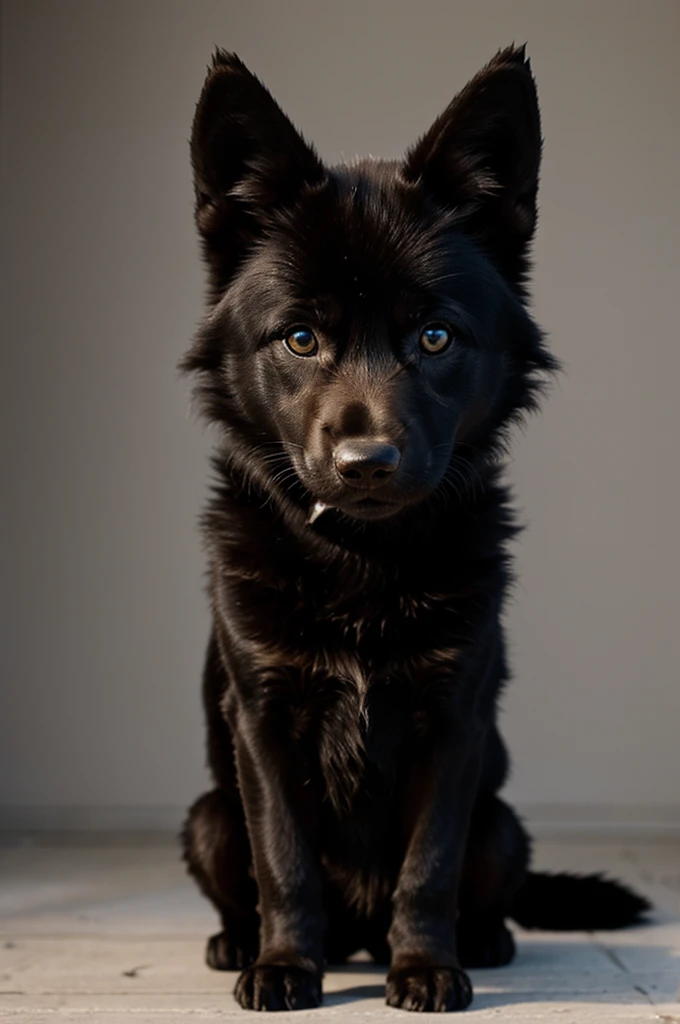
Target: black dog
{"x": 366, "y": 347}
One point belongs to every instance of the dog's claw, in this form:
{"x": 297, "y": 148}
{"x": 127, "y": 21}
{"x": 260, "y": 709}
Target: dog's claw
{"x": 429, "y": 989}
{"x": 273, "y": 987}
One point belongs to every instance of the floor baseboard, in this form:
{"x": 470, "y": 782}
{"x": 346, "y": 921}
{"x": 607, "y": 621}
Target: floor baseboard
{"x": 99, "y": 818}
{"x": 542, "y": 819}
{"x": 597, "y": 820}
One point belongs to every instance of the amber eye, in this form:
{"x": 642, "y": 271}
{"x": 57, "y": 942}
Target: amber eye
{"x": 301, "y": 341}
{"x": 435, "y": 338}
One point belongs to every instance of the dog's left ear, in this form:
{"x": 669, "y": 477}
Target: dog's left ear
{"x": 482, "y": 157}
{"x": 248, "y": 161}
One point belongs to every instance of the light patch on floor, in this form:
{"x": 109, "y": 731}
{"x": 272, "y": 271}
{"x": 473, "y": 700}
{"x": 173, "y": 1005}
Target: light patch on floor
{"x": 95, "y": 930}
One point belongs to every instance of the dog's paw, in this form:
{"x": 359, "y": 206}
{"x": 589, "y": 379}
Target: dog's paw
{"x": 437, "y": 989}
{"x": 492, "y": 947}
{"x": 265, "y": 987}
{"x": 226, "y": 952}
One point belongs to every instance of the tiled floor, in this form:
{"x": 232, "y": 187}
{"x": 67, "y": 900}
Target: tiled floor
{"x": 94, "y": 932}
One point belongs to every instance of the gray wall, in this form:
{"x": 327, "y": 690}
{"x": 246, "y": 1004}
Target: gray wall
{"x": 104, "y": 472}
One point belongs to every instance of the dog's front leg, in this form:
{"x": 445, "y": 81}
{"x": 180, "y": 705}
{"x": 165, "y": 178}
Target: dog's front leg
{"x": 425, "y": 973}
{"x": 287, "y": 973}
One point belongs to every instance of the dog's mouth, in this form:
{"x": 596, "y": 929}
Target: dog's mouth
{"x": 373, "y": 508}
{"x": 365, "y": 508}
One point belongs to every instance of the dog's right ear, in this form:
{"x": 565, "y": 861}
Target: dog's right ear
{"x": 247, "y": 159}
{"x": 481, "y": 157}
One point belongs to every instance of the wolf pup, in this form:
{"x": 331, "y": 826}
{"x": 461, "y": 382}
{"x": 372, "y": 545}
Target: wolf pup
{"x": 366, "y": 347}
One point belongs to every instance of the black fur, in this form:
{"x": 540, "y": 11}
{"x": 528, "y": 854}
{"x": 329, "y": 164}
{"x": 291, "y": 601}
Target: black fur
{"x": 565, "y": 902}
{"x": 357, "y": 539}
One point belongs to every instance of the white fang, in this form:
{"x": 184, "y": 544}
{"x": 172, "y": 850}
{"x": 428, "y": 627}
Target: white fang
{"x": 318, "y": 508}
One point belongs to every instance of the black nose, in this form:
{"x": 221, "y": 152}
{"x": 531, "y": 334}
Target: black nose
{"x": 365, "y": 463}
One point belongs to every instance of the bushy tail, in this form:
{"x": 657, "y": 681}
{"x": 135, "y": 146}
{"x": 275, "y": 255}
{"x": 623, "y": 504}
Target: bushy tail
{"x": 564, "y": 902}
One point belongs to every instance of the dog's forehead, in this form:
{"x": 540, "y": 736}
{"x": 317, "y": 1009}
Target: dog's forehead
{"x": 364, "y": 246}
{"x": 364, "y": 232}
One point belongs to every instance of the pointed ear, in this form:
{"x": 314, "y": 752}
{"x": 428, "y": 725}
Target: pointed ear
{"x": 482, "y": 157}
{"x": 247, "y": 159}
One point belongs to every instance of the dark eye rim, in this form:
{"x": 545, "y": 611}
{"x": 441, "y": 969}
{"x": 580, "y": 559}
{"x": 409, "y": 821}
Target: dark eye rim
{"x": 439, "y": 325}
{"x": 294, "y": 330}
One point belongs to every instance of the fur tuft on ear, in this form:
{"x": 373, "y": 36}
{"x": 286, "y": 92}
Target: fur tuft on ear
{"x": 482, "y": 157}
{"x": 247, "y": 159}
